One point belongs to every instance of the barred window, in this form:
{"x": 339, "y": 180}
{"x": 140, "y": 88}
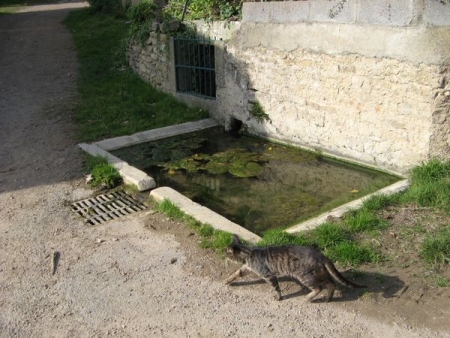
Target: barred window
{"x": 195, "y": 67}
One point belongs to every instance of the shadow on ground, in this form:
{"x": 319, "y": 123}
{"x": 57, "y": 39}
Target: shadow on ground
{"x": 382, "y": 285}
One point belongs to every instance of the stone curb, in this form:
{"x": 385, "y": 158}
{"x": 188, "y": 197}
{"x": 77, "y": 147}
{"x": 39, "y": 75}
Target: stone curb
{"x": 202, "y": 214}
{"x": 340, "y": 211}
{"x": 155, "y": 134}
{"x": 130, "y": 174}
{"x": 143, "y": 182}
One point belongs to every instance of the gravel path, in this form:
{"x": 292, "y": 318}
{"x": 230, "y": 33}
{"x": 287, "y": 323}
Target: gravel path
{"x": 140, "y": 276}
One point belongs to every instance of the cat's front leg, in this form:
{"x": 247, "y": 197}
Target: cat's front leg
{"x": 239, "y": 273}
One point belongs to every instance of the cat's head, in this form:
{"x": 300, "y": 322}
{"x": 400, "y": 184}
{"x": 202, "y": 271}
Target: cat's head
{"x": 237, "y": 251}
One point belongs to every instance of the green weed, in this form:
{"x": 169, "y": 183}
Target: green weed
{"x": 363, "y": 220}
{"x": 435, "y": 247}
{"x": 430, "y": 185}
{"x": 209, "y": 237}
{"x": 102, "y": 172}
{"x": 142, "y": 16}
{"x": 204, "y": 9}
{"x": 431, "y": 171}
{"x": 257, "y": 111}
{"x": 351, "y": 253}
{"x": 380, "y": 201}
{"x": 442, "y": 282}
{"x": 327, "y": 235}
{"x": 214, "y": 239}
{"x": 171, "y": 210}
{"x": 280, "y": 237}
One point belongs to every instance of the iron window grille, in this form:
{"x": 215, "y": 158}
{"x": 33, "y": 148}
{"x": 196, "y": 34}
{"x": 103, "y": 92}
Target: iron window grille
{"x": 195, "y": 72}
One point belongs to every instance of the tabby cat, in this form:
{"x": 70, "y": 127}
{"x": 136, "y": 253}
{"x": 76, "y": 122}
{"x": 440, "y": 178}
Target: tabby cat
{"x": 310, "y": 267}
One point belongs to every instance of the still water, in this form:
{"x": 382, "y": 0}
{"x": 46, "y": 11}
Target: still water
{"x": 253, "y": 182}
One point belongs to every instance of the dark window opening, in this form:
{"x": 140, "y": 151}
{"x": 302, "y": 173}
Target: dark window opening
{"x": 195, "y": 67}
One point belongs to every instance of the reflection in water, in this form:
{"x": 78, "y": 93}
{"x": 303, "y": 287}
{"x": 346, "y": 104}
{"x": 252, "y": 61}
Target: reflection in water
{"x": 256, "y": 183}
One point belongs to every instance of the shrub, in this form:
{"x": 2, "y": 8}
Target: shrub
{"x": 142, "y": 16}
{"x": 205, "y": 9}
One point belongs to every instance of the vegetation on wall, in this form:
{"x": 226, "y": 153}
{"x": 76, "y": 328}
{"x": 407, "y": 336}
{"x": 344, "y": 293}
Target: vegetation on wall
{"x": 257, "y": 111}
{"x": 141, "y": 18}
{"x": 147, "y": 16}
{"x": 205, "y": 9}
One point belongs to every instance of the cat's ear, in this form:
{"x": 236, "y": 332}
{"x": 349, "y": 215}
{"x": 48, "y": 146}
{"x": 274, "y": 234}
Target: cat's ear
{"x": 236, "y": 239}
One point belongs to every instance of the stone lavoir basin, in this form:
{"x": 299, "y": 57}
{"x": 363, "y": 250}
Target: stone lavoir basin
{"x": 253, "y": 182}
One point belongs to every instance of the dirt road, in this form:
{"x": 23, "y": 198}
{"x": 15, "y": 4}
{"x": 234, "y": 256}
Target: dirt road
{"x": 141, "y": 276}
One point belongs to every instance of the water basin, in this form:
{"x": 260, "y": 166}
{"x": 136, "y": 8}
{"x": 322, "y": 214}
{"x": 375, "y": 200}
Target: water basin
{"x": 253, "y": 182}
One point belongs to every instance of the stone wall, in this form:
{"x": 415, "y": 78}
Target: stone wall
{"x": 370, "y": 85}
{"x": 377, "y": 111}
{"x": 152, "y": 60}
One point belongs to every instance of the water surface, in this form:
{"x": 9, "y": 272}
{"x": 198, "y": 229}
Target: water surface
{"x": 253, "y": 182}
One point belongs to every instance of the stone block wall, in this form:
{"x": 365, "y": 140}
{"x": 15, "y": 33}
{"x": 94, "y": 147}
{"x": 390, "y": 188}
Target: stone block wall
{"x": 375, "y": 111}
{"x": 399, "y": 13}
{"x": 152, "y": 60}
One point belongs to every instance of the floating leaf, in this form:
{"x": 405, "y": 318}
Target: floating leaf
{"x": 216, "y": 168}
{"x": 238, "y": 162}
{"x": 249, "y": 169}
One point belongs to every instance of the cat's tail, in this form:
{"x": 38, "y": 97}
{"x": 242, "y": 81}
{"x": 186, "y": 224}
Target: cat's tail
{"x": 339, "y": 278}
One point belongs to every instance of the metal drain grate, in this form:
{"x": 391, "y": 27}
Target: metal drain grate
{"x": 103, "y": 208}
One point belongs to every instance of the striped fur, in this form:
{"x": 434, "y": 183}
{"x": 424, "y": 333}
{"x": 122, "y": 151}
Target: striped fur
{"x": 310, "y": 267}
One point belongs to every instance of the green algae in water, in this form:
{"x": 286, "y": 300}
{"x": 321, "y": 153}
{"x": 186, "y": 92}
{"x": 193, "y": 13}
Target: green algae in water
{"x": 238, "y": 162}
{"x": 258, "y": 184}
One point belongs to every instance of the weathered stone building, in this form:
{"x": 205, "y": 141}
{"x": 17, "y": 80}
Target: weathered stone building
{"x": 370, "y": 84}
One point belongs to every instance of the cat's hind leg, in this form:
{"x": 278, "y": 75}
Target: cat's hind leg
{"x": 331, "y": 286}
{"x": 313, "y": 294}
{"x": 273, "y": 280}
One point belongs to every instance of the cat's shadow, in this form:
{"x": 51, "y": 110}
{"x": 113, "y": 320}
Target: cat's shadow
{"x": 377, "y": 283}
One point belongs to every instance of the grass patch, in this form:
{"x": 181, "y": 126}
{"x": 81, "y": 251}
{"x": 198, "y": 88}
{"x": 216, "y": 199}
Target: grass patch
{"x": 103, "y": 173}
{"x": 442, "y": 282}
{"x": 363, "y": 220}
{"x": 328, "y": 235}
{"x": 436, "y": 247}
{"x": 280, "y": 237}
{"x": 114, "y": 101}
{"x": 349, "y": 241}
{"x": 12, "y": 6}
{"x": 378, "y": 202}
{"x": 430, "y": 185}
{"x": 214, "y": 239}
{"x": 171, "y": 210}
{"x": 352, "y": 253}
